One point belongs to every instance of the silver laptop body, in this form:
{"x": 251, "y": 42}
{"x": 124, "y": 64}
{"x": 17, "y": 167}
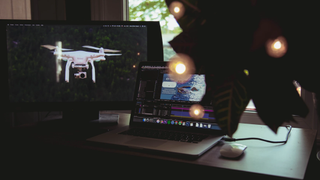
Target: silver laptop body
{"x": 161, "y": 112}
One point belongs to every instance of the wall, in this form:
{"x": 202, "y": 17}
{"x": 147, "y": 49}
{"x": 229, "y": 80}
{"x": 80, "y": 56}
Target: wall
{"x": 109, "y": 10}
{"x": 48, "y": 9}
{"x": 15, "y": 9}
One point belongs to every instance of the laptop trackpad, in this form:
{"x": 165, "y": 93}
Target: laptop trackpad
{"x": 145, "y": 142}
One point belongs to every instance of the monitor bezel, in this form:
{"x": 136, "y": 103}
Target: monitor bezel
{"x": 155, "y": 53}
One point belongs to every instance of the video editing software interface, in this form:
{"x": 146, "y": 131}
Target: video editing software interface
{"x": 163, "y": 101}
{"x": 74, "y": 63}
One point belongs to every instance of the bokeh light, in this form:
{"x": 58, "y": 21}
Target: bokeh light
{"x": 181, "y": 68}
{"x": 196, "y": 111}
{"x": 177, "y": 9}
{"x": 246, "y": 72}
{"x": 277, "y": 47}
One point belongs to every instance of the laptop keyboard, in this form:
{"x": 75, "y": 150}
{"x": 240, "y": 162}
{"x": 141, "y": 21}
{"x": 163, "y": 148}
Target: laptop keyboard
{"x": 165, "y": 134}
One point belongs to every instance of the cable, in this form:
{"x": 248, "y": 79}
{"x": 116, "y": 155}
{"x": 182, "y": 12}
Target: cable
{"x": 254, "y": 138}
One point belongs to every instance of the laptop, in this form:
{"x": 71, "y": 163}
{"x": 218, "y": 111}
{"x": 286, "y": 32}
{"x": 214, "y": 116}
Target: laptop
{"x": 160, "y": 119}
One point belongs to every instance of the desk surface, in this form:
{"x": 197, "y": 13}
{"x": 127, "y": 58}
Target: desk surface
{"x": 260, "y": 158}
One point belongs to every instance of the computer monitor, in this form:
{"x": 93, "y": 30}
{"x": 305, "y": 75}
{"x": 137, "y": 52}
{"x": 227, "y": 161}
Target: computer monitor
{"x": 73, "y": 66}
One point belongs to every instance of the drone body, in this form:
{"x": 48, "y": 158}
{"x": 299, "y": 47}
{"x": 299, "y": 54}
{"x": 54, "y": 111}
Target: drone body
{"x": 80, "y": 59}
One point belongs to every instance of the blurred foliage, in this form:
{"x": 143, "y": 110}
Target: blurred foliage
{"x": 32, "y": 68}
{"x": 152, "y": 10}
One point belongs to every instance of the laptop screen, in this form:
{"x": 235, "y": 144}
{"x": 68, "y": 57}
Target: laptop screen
{"x": 162, "y": 101}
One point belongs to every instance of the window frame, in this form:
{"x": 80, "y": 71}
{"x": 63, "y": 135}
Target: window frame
{"x": 309, "y": 122}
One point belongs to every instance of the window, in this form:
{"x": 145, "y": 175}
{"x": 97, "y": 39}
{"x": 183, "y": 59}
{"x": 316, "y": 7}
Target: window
{"x": 156, "y": 10}
{"x": 11, "y": 9}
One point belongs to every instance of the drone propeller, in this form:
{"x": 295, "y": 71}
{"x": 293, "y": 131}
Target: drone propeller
{"x": 113, "y": 54}
{"x": 105, "y": 50}
{"x": 54, "y": 47}
{"x": 49, "y": 47}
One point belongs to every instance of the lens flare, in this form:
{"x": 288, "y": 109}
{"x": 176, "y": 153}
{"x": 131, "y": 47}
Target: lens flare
{"x": 196, "y": 111}
{"x": 58, "y": 60}
{"x": 177, "y": 9}
{"x": 181, "y": 68}
{"x": 59, "y": 49}
{"x": 277, "y": 47}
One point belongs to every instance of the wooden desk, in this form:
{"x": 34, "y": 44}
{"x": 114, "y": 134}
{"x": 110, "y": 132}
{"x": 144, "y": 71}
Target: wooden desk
{"x": 67, "y": 146}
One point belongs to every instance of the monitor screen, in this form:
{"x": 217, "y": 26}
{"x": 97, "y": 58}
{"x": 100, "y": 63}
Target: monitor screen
{"x": 57, "y": 65}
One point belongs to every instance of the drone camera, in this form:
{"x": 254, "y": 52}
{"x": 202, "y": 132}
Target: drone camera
{"x": 80, "y": 75}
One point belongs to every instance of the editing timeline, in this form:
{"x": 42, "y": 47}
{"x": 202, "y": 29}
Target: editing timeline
{"x": 173, "y": 114}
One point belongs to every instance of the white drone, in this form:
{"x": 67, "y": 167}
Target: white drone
{"x": 81, "y": 59}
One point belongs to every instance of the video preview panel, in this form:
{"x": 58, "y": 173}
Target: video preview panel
{"x": 192, "y": 90}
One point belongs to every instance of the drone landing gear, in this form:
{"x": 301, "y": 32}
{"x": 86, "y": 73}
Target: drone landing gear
{"x": 93, "y": 72}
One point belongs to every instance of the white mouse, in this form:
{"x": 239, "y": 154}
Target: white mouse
{"x": 232, "y": 150}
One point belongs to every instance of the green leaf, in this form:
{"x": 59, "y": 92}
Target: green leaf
{"x": 229, "y": 101}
